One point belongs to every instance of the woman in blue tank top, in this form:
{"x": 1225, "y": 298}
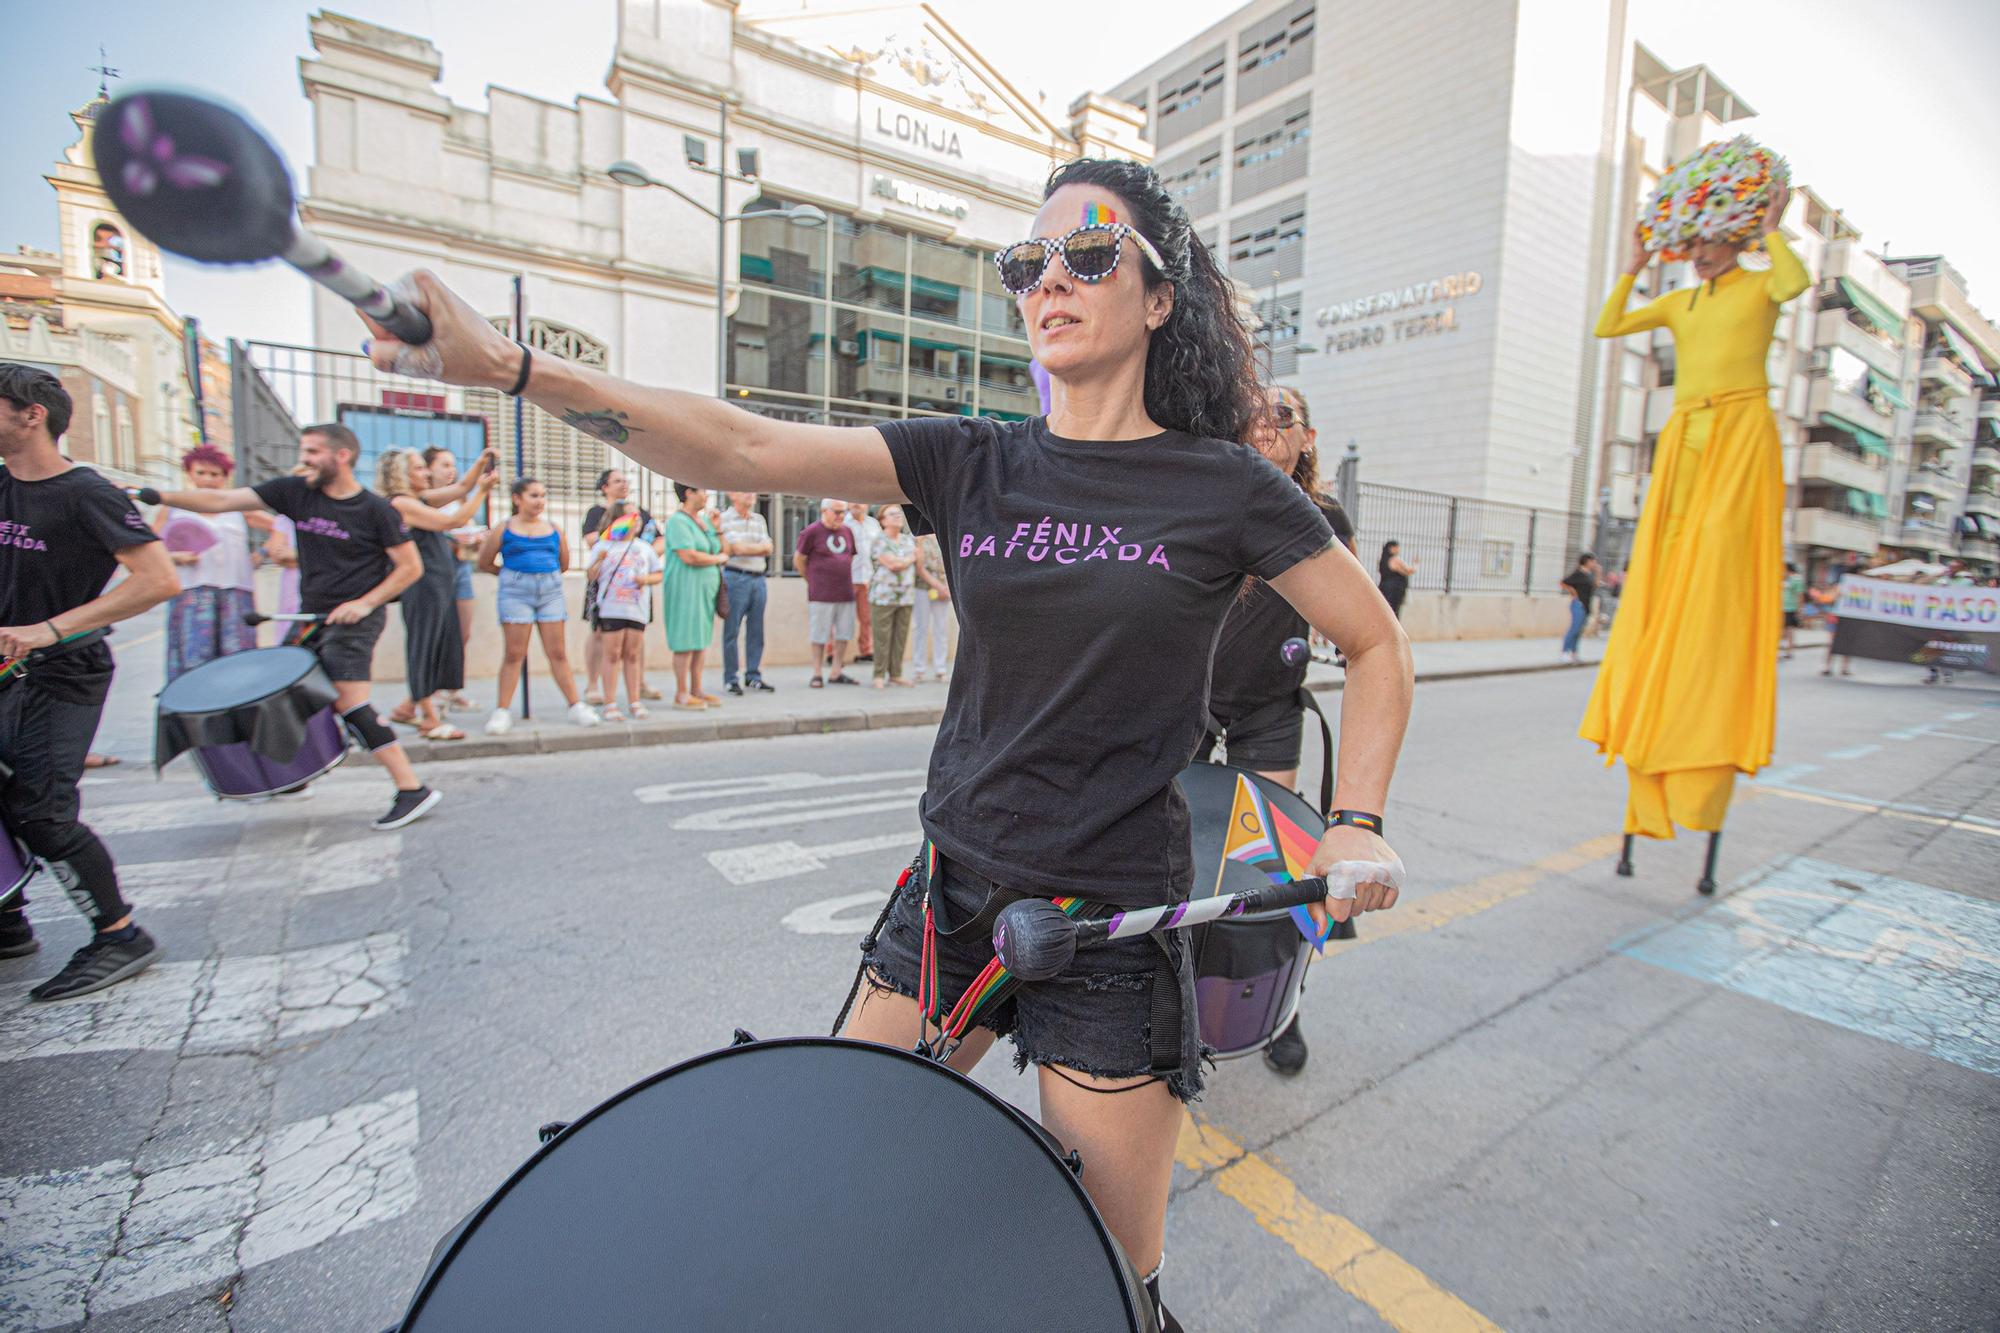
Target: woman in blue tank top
{"x": 529, "y": 553}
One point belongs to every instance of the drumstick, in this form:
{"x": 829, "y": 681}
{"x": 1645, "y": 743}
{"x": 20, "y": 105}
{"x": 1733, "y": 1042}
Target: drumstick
{"x": 1292, "y": 652}
{"x": 199, "y": 179}
{"x": 282, "y": 617}
{"x": 1035, "y": 940}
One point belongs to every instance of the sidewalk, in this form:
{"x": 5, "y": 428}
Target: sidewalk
{"x": 794, "y": 710}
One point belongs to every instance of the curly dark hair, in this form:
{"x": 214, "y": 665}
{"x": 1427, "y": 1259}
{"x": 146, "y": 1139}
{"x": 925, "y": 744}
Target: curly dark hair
{"x": 1201, "y": 374}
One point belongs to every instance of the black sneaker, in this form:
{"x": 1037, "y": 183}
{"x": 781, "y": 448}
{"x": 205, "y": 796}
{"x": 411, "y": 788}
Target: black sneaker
{"x": 733, "y": 688}
{"x": 1287, "y": 1051}
{"x": 762, "y": 688}
{"x": 410, "y": 806}
{"x": 100, "y": 963}
{"x": 17, "y": 937}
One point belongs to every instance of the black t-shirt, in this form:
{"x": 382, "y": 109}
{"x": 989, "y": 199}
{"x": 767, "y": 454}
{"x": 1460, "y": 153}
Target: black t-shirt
{"x": 343, "y": 545}
{"x": 1583, "y": 584}
{"x": 59, "y": 544}
{"x": 1248, "y": 671}
{"x": 1090, "y": 579}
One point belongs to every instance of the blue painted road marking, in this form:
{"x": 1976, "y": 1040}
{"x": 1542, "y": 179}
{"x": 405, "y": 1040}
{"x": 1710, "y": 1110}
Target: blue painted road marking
{"x": 1853, "y": 752}
{"x": 1904, "y": 962}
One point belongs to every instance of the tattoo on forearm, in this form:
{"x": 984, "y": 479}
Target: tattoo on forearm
{"x": 604, "y": 424}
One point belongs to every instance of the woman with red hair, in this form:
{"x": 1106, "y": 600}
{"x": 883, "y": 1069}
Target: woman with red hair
{"x": 211, "y": 552}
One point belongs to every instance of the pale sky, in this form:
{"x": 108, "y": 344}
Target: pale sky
{"x": 1888, "y": 111}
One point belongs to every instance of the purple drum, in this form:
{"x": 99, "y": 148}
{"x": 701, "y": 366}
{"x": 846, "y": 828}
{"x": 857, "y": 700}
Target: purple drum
{"x": 1249, "y": 971}
{"x": 16, "y": 866}
{"x": 258, "y": 722}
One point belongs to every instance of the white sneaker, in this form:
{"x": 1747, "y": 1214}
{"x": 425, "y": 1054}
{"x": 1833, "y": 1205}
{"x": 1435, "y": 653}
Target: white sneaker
{"x": 583, "y": 715}
{"x": 499, "y": 722}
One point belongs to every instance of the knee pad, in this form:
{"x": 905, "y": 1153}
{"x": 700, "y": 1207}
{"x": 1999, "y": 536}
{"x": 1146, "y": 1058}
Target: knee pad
{"x": 371, "y": 731}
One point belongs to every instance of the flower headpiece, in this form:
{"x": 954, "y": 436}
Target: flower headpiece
{"x": 1717, "y": 193}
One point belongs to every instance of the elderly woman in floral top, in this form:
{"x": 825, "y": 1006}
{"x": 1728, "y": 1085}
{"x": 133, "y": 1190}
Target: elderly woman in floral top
{"x": 892, "y": 596}
{"x": 930, "y": 628}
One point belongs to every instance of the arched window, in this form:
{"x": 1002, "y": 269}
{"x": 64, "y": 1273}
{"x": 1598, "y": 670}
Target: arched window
{"x": 107, "y": 252}
{"x": 559, "y": 340}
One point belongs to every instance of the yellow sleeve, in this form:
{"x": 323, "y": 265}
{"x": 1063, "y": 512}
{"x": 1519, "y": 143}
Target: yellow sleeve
{"x": 1615, "y": 321}
{"x": 1788, "y": 276}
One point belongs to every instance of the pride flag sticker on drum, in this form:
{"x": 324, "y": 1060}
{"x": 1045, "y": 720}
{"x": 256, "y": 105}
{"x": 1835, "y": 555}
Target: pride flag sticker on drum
{"x": 1262, "y": 837}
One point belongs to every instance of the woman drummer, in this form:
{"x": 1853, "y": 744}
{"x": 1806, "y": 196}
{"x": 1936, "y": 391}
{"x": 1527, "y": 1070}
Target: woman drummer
{"x": 218, "y": 583}
{"x": 1092, "y": 555}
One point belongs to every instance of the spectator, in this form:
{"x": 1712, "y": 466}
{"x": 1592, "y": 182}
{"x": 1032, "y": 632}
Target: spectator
{"x": 825, "y": 556}
{"x": 624, "y": 570}
{"x": 443, "y": 469}
{"x": 930, "y": 627}
{"x": 1607, "y": 596}
{"x": 866, "y": 532}
{"x": 1582, "y": 587}
{"x": 529, "y": 554}
{"x": 1392, "y": 575}
{"x": 1790, "y": 600}
{"x": 613, "y": 487}
{"x": 218, "y": 582}
{"x": 746, "y": 540}
{"x": 694, "y": 576}
{"x": 1840, "y": 573}
{"x": 433, "y": 654}
{"x": 892, "y": 596}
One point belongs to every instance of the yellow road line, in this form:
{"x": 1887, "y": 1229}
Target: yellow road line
{"x": 134, "y": 643}
{"x": 1870, "y": 808}
{"x": 1359, "y": 1264}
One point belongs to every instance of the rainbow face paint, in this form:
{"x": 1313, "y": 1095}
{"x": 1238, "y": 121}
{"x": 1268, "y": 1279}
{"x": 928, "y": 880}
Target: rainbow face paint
{"x": 1097, "y": 215}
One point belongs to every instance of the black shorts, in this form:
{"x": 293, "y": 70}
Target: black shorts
{"x": 1791, "y": 620}
{"x": 1264, "y": 739}
{"x": 346, "y": 651}
{"x": 1097, "y": 1017}
{"x": 612, "y": 624}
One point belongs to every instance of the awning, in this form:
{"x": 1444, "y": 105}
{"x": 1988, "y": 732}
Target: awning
{"x": 1989, "y": 525}
{"x": 1867, "y": 503}
{"x": 1962, "y": 347}
{"x": 1888, "y": 387}
{"x": 1872, "y": 308}
{"x": 1869, "y": 441}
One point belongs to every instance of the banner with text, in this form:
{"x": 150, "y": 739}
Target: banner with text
{"x": 1944, "y": 625}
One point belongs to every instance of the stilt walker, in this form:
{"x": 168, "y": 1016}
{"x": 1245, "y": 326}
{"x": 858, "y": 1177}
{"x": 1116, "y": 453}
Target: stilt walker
{"x": 1687, "y": 693}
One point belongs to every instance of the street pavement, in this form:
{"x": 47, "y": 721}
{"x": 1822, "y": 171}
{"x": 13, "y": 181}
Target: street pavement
{"x": 1540, "y": 1096}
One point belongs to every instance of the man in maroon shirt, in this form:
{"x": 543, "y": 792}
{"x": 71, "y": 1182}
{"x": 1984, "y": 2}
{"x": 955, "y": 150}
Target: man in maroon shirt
{"x": 825, "y": 556}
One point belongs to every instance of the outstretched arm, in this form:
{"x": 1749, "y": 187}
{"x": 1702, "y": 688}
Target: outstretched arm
{"x": 458, "y": 490}
{"x": 682, "y": 435}
{"x": 417, "y": 514}
{"x": 232, "y": 500}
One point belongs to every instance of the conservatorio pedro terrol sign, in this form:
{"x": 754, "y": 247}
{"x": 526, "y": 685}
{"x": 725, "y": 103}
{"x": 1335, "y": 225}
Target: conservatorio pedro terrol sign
{"x": 1946, "y": 625}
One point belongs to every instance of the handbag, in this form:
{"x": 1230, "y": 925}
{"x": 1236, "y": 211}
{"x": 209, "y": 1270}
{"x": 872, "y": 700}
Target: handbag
{"x": 721, "y": 589}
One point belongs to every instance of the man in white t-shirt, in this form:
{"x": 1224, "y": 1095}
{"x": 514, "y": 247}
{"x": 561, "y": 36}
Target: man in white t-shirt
{"x": 867, "y": 530}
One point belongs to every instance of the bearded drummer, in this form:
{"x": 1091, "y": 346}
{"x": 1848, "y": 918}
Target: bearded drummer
{"x": 64, "y": 530}
{"x": 355, "y": 557}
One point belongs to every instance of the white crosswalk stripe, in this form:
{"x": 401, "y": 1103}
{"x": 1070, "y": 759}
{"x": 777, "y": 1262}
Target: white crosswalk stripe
{"x": 230, "y": 1004}
{"x": 798, "y": 809}
{"x": 849, "y": 914}
{"x": 710, "y": 789}
{"x": 765, "y": 861}
{"x": 150, "y": 884}
{"x": 100, "y": 1238}
{"x": 198, "y": 811}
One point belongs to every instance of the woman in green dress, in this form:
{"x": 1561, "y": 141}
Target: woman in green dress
{"x": 692, "y": 578}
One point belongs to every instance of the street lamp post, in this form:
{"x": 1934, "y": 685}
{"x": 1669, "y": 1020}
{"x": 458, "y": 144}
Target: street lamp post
{"x": 1276, "y": 322}
{"x": 805, "y": 215}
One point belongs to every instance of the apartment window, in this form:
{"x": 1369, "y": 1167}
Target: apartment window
{"x": 1271, "y": 149}
{"x": 1268, "y": 243}
{"x": 1195, "y": 178}
{"x": 1191, "y": 98}
{"x": 1275, "y": 52}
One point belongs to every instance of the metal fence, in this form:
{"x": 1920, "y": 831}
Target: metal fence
{"x": 1467, "y": 546}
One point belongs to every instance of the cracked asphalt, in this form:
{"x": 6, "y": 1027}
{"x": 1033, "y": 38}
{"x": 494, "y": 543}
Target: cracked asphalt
{"x": 1567, "y": 1100}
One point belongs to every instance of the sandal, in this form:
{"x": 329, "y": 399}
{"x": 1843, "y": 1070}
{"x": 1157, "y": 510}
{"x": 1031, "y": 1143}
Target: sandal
{"x": 816, "y": 682}
{"x": 443, "y": 731}
{"x": 881, "y": 682}
{"x": 640, "y": 712}
{"x": 691, "y": 705}
{"x": 402, "y": 719}
{"x": 711, "y": 700}
{"x": 610, "y": 713}
{"x": 844, "y": 679}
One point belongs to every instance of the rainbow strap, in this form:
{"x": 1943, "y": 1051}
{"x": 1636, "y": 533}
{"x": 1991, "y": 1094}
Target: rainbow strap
{"x": 1097, "y": 215}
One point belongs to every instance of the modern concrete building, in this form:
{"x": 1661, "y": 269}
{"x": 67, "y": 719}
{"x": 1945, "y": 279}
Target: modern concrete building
{"x": 1420, "y": 199}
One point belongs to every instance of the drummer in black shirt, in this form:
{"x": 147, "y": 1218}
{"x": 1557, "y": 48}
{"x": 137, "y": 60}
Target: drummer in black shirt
{"x": 63, "y": 531}
{"x": 1093, "y": 555}
{"x": 1257, "y": 700}
{"x": 355, "y": 557}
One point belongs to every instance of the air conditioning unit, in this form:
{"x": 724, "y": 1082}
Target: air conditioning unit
{"x": 951, "y": 394}
{"x": 849, "y": 347}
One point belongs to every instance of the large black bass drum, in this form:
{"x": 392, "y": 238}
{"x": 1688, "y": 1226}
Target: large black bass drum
{"x": 808, "y": 1183}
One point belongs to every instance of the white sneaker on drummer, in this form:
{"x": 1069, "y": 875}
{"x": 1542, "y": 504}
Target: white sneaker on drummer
{"x": 583, "y": 715}
{"x": 499, "y": 722}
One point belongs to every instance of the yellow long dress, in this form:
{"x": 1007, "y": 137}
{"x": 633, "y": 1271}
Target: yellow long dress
{"x": 1687, "y": 694}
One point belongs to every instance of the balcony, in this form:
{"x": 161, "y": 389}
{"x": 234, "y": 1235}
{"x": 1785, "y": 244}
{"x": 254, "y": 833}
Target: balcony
{"x": 1946, "y": 374}
{"x": 1835, "y": 466}
{"x": 1934, "y": 481}
{"x": 1989, "y": 410}
{"x": 1934, "y": 427}
{"x": 1986, "y": 454}
{"x": 1834, "y": 328}
{"x": 1836, "y": 531}
{"x": 1829, "y": 399}
{"x": 1983, "y": 501}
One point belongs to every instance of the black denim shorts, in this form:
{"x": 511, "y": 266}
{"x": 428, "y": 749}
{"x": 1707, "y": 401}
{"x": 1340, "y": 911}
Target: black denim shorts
{"x": 1098, "y": 1017}
{"x": 346, "y": 651}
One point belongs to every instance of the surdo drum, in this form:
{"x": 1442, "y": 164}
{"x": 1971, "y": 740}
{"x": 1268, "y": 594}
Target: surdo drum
{"x": 808, "y": 1183}
{"x": 258, "y": 722}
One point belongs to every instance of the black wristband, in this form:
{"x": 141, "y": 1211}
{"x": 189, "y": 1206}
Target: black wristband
{"x": 1357, "y": 819}
{"x": 521, "y": 380}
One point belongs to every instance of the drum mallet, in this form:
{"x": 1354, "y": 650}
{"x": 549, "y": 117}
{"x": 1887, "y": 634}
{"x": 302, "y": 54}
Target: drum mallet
{"x": 1035, "y": 940}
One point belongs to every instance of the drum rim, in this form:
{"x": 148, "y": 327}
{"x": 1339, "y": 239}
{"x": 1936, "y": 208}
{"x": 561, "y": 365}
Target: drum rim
{"x": 312, "y": 665}
{"x": 208, "y": 780}
{"x": 1114, "y": 1257}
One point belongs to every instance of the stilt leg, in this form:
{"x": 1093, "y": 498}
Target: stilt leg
{"x": 1625, "y": 858}
{"x": 1707, "y": 884}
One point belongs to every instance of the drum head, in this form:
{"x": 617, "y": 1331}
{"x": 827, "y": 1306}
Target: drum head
{"x": 809, "y": 1183}
{"x": 1215, "y": 810}
{"x": 236, "y": 680}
